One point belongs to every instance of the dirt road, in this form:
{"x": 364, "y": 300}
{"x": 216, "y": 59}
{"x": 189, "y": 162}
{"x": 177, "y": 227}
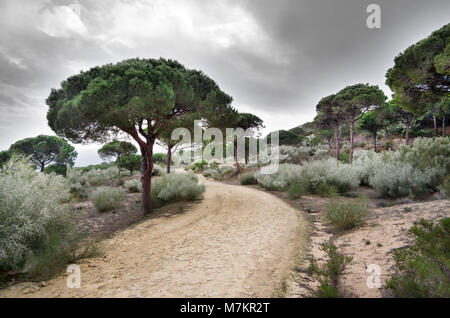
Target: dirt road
{"x": 236, "y": 242}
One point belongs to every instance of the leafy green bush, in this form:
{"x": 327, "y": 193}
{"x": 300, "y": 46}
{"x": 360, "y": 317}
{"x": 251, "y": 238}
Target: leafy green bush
{"x": 35, "y": 218}
{"x": 423, "y": 268}
{"x": 346, "y": 215}
{"x": 247, "y": 178}
{"x": 106, "y": 198}
{"x": 297, "y": 188}
{"x": 56, "y": 168}
{"x": 329, "y": 273}
{"x": 200, "y": 165}
{"x": 175, "y": 187}
{"x": 212, "y": 173}
{"x": 160, "y": 158}
{"x": 133, "y": 185}
{"x": 326, "y": 190}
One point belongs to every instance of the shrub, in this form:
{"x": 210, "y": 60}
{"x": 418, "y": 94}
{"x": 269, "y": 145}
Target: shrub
{"x": 280, "y": 180}
{"x": 397, "y": 180}
{"x": 247, "y": 178}
{"x": 175, "y": 187}
{"x": 158, "y": 170}
{"x": 35, "y": 218}
{"x": 106, "y": 198}
{"x": 326, "y": 190}
{"x": 224, "y": 170}
{"x": 445, "y": 188}
{"x": 101, "y": 177}
{"x": 423, "y": 268}
{"x": 160, "y": 158}
{"x": 133, "y": 185}
{"x": 330, "y": 272}
{"x": 212, "y": 173}
{"x": 346, "y": 215}
{"x": 200, "y": 165}
{"x": 296, "y": 189}
{"x": 56, "y": 168}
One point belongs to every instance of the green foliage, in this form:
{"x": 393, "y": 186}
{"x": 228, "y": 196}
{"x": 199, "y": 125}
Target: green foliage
{"x": 326, "y": 190}
{"x": 329, "y": 273}
{"x": 421, "y": 71}
{"x": 57, "y": 169}
{"x": 346, "y": 215}
{"x": 107, "y": 198}
{"x": 175, "y": 187}
{"x": 423, "y": 268}
{"x": 43, "y": 150}
{"x": 36, "y": 221}
{"x": 4, "y": 157}
{"x": 247, "y": 178}
{"x": 445, "y": 188}
{"x": 297, "y": 188}
{"x": 212, "y": 173}
{"x": 160, "y": 158}
{"x": 286, "y": 137}
{"x": 116, "y": 149}
{"x": 224, "y": 170}
{"x": 131, "y": 162}
{"x": 200, "y": 165}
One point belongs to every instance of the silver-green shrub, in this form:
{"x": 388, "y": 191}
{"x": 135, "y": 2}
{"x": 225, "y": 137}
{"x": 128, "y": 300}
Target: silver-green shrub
{"x": 133, "y": 185}
{"x": 176, "y": 187}
{"x": 37, "y": 224}
{"x": 107, "y": 198}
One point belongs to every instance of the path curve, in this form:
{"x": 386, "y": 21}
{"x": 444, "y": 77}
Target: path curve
{"x": 236, "y": 242}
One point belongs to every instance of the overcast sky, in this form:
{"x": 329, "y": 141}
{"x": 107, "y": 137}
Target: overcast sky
{"x": 276, "y": 58}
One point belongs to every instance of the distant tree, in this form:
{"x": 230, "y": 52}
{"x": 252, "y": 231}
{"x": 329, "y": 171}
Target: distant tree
{"x": 421, "y": 74}
{"x": 138, "y": 97}
{"x": 353, "y": 102}
{"x": 131, "y": 162}
{"x": 246, "y": 121}
{"x": 287, "y": 138}
{"x": 56, "y": 168}
{"x": 117, "y": 149}
{"x": 328, "y": 116}
{"x": 372, "y": 122}
{"x": 44, "y": 150}
{"x": 399, "y": 114}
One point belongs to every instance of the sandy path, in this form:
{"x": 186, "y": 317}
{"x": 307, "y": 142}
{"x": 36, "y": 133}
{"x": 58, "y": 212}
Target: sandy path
{"x": 236, "y": 242}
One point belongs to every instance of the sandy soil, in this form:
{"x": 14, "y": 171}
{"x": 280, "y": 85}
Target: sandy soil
{"x": 386, "y": 229}
{"x": 236, "y": 242}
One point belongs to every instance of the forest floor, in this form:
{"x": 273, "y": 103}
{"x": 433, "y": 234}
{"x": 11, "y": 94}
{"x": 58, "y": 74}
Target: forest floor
{"x": 235, "y": 242}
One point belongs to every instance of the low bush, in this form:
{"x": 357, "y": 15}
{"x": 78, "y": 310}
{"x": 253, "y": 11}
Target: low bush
{"x": 329, "y": 273}
{"x": 107, "y": 198}
{"x": 247, "y": 178}
{"x": 175, "y": 187}
{"x": 224, "y": 170}
{"x": 37, "y": 225}
{"x": 200, "y": 165}
{"x": 101, "y": 177}
{"x": 280, "y": 181}
{"x": 445, "y": 188}
{"x": 158, "y": 170}
{"x": 423, "y": 268}
{"x": 133, "y": 185}
{"x": 346, "y": 215}
{"x": 296, "y": 189}
{"x": 212, "y": 173}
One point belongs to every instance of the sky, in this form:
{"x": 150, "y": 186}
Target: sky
{"x": 277, "y": 59}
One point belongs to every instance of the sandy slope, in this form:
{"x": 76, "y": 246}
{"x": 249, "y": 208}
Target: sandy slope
{"x": 236, "y": 242}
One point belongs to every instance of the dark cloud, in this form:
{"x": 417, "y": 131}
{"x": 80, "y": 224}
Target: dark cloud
{"x": 276, "y": 58}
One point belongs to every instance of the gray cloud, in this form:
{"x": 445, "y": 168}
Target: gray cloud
{"x": 276, "y": 58}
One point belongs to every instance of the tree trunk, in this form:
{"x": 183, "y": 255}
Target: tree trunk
{"x": 168, "y": 159}
{"x": 118, "y": 164}
{"x": 434, "y": 126}
{"x": 146, "y": 175}
{"x": 352, "y": 131}
{"x": 238, "y": 168}
{"x": 336, "y": 128}
{"x": 407, "y": 132}
{"x": 42, "y": 166}
{"x": 374, "y": 138}
{"x": 443, "y": 126}
{"x": 329, "y": 142}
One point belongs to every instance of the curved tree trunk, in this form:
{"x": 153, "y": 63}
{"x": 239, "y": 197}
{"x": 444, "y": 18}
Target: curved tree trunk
{"x": 42, "y": 166}
{"x": 352, "y": 131}
{"x": 168, "y": 159}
